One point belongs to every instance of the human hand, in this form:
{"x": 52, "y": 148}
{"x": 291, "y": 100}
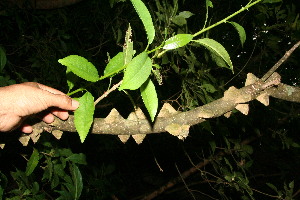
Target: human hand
{"x": 22, "y": 100}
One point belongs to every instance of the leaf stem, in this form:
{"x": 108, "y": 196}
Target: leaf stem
{"x": 227, "y": 18}
{"x": 75, "y": 91}
{"x": 112, "y": 73}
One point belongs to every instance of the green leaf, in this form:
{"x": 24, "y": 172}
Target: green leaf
{"x": 71, "y": 79}
{"x": 64, "y": 195}
{"x": 209, "y": 4}
{"x": 296, "y": 145}
{"x": 1, "y": 192}
{"x": 77, "y": 158}
{"x": 32, "y": 162}
{"x": 186, "y": 14}
{"x": 273, "y": 187}
{"x": 216, "y": 49}
{"x": 248, "y": 149}
{"x": 83, "y": 116}
{"x": 228, "y": 163}
{"x": 115, "y": 64}
{"x": 137, "y": 72}
{"x": 150, "y": 99}
{"x": 213, "y": 146}
{"x": 208, "y": 87}
{"x": 218, "y": 60}
{"x": 81, "y": 67}
{"x": 2, "y": 59}
{"x": 3, "y": 180}
{"x": 241, "y": 31}
{"x": 54, "y": 181}
{"x": 35, "y": 188}
{"x": 179, "y": 20}
{"x": 77, "y": 180}
{"x": 48, "y": 170}
{"x": 145, "y": 16}
{"x": 177, "y": 41}
{"x": 63, "y": 151}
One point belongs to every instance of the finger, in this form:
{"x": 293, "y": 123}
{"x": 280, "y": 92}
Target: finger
{"x": 50, "y": 89}
{"x": 62, "y": 114}
{"x": 26, "y": 128}
{"x": 60, "y": 101}
{"x": 48, "y": 118}
{"x": 43, "y": 87}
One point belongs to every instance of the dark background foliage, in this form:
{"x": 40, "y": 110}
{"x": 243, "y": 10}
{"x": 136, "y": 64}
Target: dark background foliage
{"x": 35, "y": 39}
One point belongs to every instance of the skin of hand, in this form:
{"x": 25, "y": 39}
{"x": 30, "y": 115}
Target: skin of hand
{"x": 19, "y": 101}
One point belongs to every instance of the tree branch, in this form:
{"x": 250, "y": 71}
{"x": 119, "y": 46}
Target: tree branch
{"x": 282, "y": 60}
{"x": 178, "y": 123}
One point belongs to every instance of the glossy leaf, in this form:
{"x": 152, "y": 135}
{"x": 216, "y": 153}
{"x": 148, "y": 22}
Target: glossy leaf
{"x": 137, "y": 72}
{"x": 83, "y": 116}
{"x": 81, "y": 67}
{"x": 150, "y": 99}
{"x": 2, "y": 59}
{"x": 241, "y": 31}
{"x": 177, "y": 41}
{"x": 32, "y": 162}
{"x": 115, "y": 64}
{"x": 216, "y": 49}
{"x": 145, "y": 16}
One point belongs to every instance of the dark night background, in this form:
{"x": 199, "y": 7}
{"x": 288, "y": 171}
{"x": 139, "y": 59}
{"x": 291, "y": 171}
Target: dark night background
{"x": 266, "y": 168}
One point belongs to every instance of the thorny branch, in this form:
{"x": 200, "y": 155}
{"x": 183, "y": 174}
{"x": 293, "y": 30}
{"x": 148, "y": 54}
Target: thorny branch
{"x": 178, "y": 123}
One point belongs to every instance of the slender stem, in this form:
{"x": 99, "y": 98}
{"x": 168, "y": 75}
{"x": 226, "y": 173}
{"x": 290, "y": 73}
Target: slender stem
{"x": 161, "y": 53}
{"x": 227, "y": 18}
{"x": 282, "y": 60}
{"x": 155, "y": 48}
{"x": 112, "y": 73}
{"x": 218, "y": 23}
{"x": 105, "y": 94}
{"x": 75, "y": 91}
{"x": 131, "y": 99}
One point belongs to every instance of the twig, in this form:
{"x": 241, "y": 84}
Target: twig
{"x": 105, "y": 94}
{"x": 186, "y": 186}
{"x": 191, "y": 171}
{"x": 284, "y": 58}
{"x": 296, "y": 193}
{"x": 245, "y": 65}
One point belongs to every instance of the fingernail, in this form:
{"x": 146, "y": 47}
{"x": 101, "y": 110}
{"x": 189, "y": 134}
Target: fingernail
{"x": 75, "y": 104}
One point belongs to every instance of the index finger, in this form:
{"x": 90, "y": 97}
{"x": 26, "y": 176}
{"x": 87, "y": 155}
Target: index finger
{"x": 49, "y": 89}
{"x": 43, "y": 87}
